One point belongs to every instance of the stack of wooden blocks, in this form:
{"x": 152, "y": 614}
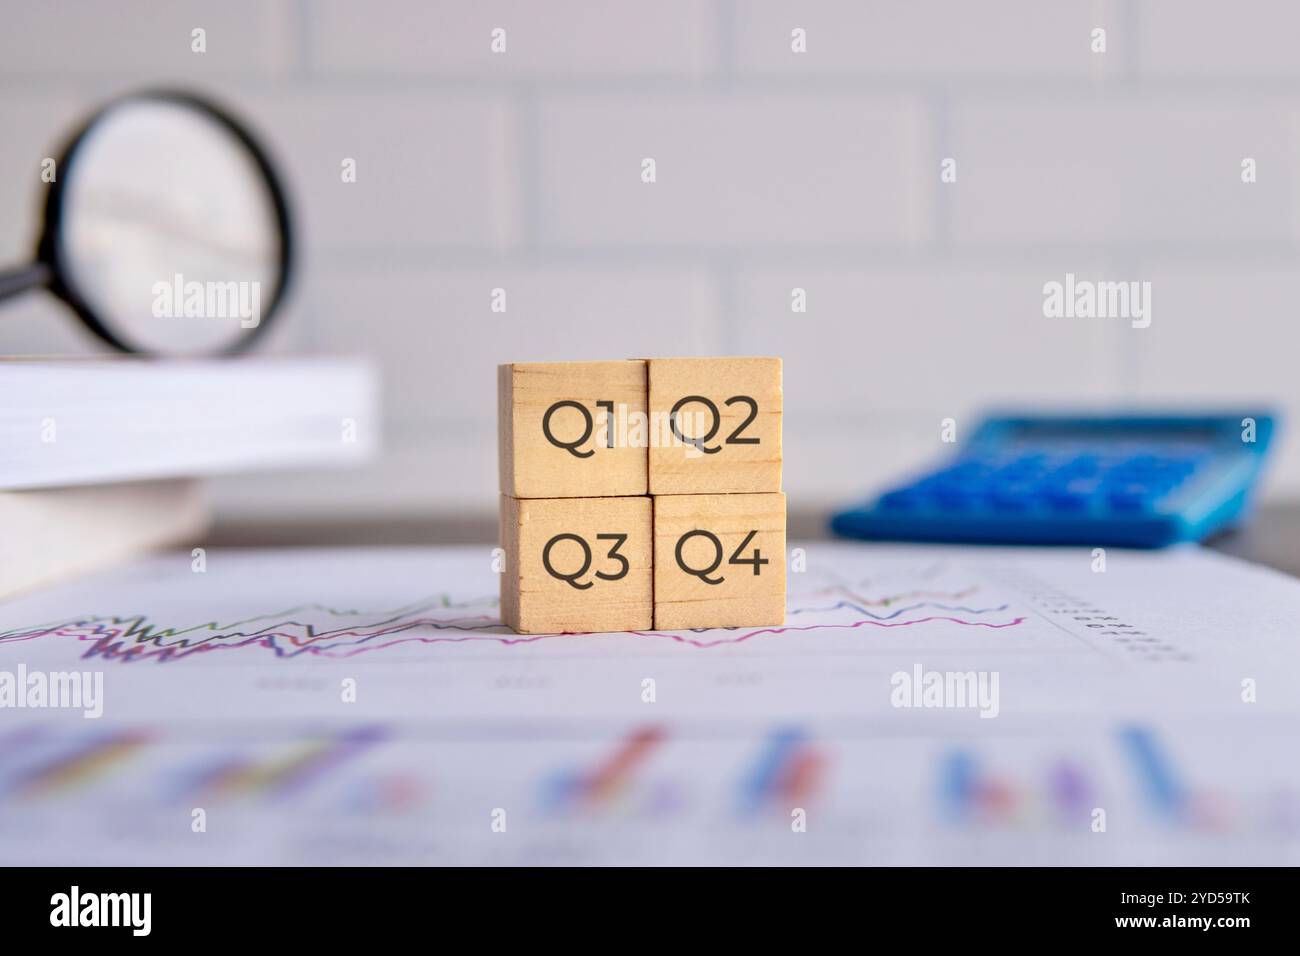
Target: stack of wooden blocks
{"x": 641, "y": 494}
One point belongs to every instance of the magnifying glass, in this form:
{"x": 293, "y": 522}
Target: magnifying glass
{"x": 166, "y": 229}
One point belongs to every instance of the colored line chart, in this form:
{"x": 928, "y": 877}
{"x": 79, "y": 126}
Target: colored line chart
{"x": 322, "y": 630}
{"x": 408, "y": 605}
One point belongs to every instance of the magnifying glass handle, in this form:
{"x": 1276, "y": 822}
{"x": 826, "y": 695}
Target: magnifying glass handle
{"x": 14, "y": 281}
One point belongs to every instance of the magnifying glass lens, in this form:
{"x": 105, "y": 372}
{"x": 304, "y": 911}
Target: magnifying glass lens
{"x": 169, "y": 231}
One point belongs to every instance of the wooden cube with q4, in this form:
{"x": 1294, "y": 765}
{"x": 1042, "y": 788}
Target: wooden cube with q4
{"x": 719, "y": 560}
{"x": 641, "y": 493}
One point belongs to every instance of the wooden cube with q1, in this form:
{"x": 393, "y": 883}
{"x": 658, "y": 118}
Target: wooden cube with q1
{"x": 719, "y": 560}
{"x": 563, "y": 429}
{"x": 577, "y": 564}
{"x": 717, "y": 425}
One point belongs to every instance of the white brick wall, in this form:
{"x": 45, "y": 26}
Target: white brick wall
{"x": 1202, "y": 39}
{"x": 1111, "y": 170}
{"x": 775, "y": 170}
{"x": 146, "y": 39}
{"x": 34, "y": 124}
{"x": 935, "y": 339}
{"x": 559, "y": 312}
{"x": 555, "y": 38}
{"x": 431, "y": 169}
{"x": 735, "y": 170}
{"x": 913, "y": 38}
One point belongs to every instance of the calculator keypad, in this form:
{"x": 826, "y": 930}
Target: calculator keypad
{"x": 1064, "y": 482}
{"x": 1143, "y": 481}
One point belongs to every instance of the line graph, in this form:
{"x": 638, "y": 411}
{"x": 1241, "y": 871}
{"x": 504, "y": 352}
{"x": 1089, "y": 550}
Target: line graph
{"x": 409, "y": 605}
{"x": 322, "y": 630}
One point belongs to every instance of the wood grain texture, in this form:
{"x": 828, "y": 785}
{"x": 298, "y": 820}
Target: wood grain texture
{"x": 534, "y": 601}
{"x": 738, "y": 457}
{"x": 741, "y": 598}
{"x": 531, "y": 466}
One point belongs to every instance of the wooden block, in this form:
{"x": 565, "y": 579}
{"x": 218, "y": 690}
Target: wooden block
{"x": 552, "y": 434}
{"x": 719, "y": 560}
{"x": 723, "y": 416}
{"x": 576, "y": 564}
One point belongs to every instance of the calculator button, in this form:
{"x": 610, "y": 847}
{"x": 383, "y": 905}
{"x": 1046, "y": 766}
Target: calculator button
{"x": 1072, "y": 495}
{"x": 1082, "y": 466}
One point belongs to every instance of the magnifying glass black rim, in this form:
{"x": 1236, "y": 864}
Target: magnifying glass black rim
{"x": 51, "y": 249}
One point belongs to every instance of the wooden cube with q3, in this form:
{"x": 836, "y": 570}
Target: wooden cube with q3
{"x": 641, "y": 494}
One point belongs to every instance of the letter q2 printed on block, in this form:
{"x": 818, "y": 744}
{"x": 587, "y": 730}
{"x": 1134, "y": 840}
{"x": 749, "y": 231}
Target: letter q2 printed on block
{"x": 717, "y": 425}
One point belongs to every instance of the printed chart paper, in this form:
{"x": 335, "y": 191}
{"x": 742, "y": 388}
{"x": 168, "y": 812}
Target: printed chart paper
{"x": 920, "y": 704}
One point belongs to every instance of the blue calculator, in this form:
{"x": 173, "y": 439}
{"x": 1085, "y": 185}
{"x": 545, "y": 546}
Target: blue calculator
{"x": 1141, "y": 481}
